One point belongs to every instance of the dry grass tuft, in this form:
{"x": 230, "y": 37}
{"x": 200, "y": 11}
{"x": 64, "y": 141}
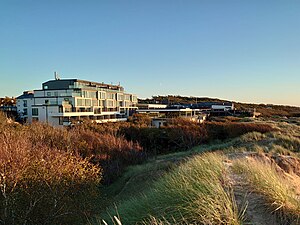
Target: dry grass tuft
{"x": 269, "y": 181}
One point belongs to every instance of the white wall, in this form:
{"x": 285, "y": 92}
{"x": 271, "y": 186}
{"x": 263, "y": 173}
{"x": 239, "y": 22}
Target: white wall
{"x": 221, "y": 107}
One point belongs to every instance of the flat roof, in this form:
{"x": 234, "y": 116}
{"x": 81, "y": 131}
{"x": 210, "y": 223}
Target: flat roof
{"x": 64, "y": 83}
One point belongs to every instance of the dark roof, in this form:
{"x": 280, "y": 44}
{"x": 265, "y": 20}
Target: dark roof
{"x": 65, "y": 83}
{"x": 25, "y": 95}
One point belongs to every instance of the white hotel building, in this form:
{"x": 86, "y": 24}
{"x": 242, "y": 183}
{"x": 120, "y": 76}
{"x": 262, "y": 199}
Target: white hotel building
{"x": 68, "y": 101}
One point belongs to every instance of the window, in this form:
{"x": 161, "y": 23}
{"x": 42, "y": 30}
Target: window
{"x": 134, "y": 98}
{"x": 80, "y": 102}
{"x": 35, "y": 111}
{"x": 60, "y": 121}
{"x": 76, "y": 93}
{"x": 25, "y": 112}
{"x": 66, "y": 119}
{"x": 88, "y": 102}
{"x": 83, "y": 94}
{"x": 95, "y": 102}
{"x": 111, "y": 95}
{"x": 25, "y": 103}
{"x": 101, "y": 102}
{"x": 127, "y": 97}
{"x": 92, "y": 94}
{"x": 127, "y": 104}
{"x": 120, "y": 97}
{"x": 45, "y": 87}
{"x": 101, "y": 95}
{"x": 110, "y": 103}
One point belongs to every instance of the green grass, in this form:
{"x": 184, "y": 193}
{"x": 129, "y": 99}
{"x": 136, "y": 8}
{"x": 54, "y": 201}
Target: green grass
{"x": 134, "y": 181}
{"x": 195, "y": 192}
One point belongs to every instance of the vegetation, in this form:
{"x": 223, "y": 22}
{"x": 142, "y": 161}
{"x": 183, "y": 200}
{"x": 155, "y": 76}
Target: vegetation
{"x": 7, "y": 101}
{"x": 109, "y": 151}
{"x": 197, "y": 192}
{"x": 38, "y": 185}
{"x": 52, "y": 176}
{"x": 258, "y": 197}
{"x": 278, "y": 190}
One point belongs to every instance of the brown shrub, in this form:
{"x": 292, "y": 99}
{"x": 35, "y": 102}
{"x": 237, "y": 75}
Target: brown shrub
{"x": 185, "y": 133}
{"x": 39, "y": 185}
{"x": 179, "y": 134}
{"x": 108, "y": 149}
{"x": 219, "y": 130}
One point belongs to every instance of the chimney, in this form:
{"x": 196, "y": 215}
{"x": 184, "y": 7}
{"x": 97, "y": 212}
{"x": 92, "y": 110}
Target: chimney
{"x": 56, "y": 76}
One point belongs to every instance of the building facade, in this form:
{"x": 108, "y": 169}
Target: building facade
{"x": 68, "y": 101}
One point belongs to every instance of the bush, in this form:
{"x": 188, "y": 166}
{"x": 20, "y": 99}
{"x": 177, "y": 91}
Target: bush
{"x": 222, "y": 131}
{"x": 179, "y": 134}
{"x": 185, "y": 134}
{"x": 107, "y": 149}
{"x": 39, "y": 185}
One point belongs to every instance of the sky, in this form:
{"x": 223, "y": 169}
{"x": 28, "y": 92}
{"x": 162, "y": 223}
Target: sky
{"x": 242, "y": 50}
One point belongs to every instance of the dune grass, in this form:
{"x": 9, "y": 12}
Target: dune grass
{"x": 196, "y": 192}
{"x": 277, "y": 189}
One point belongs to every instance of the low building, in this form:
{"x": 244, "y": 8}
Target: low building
{"x": 151, "y": 106}
{"x": 222, "y": 107}
{"x": 69, "y": 101}
{"x": 160, "y": 116}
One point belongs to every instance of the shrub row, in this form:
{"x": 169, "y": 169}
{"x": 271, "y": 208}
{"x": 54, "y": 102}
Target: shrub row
{"x": 222, "y": 131}
{"x": 110, "y": 151}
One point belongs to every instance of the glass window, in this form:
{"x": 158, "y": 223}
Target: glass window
{"x": 80, "y": 102}
{"x": 88, "y": 102}
{"x": 60, "y": 121}
{"x": 110, "y": 103}
{"x": 127, "y": 97}
{"x": 120, "y": 97}
{"x": 95, "y": 102}
{"x": 92, "y": 94}
{"x": 35, "y": 111}
{"x": 111, "y": 95}
{"x": 25, "y": 103}
{"x": 134, "y": 98}
{"x": 102, "y": 95}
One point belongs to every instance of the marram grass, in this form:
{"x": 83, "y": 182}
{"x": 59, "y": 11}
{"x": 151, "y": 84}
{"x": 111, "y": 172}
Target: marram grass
{"x": 277, "y": 189}
{"x": 194, "y": 193}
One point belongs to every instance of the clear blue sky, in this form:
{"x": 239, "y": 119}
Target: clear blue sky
{"x": 240, "y": 50}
